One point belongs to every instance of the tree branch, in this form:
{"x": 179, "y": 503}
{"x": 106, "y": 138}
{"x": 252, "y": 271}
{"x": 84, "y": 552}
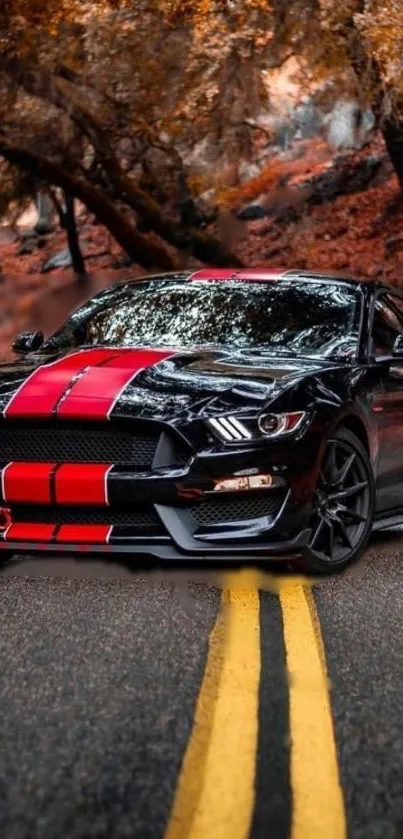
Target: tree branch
{"x": 145, "y": 253}
{"x": 60, "y": 94}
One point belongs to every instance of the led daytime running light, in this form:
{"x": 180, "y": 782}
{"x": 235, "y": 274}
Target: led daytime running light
{"x": 229, "y": 429}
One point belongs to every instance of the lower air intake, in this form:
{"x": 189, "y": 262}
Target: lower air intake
{"x": 219, "y": 510}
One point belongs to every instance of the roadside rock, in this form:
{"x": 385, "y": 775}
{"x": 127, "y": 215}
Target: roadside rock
{"x": 28, "y": 234}
{"x": 252, "y": 212}
{"x": 60, "y": 260}
{"x": 27, "y": 246}
{"x": 43, "y": 228}
{"x": 343, "y": 177}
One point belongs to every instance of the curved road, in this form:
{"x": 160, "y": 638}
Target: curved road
{"x": 191, "y": 705}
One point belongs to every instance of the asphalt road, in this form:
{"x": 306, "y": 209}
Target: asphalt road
{"x": 150, "y": 707}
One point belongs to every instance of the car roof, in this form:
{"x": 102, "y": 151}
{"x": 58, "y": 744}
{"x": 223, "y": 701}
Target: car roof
{"x": 372, "y": 285}
{"x": 256, "y": 274}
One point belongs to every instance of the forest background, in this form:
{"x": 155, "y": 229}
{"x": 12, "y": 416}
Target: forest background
{"x": 148, "y": 135}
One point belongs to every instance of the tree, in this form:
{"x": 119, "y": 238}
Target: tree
{"x": 105, "y": 99}
{"x": 357, "y": 46}
{"x": 376, "y": 55}
{"x": 77, "y": 259}
{"x": 91, "y": 118}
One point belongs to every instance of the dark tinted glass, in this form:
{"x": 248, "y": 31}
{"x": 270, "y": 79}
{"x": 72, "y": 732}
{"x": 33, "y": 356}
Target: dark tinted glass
{"x": 396, "y": 303}
{"x": 386, "y": 327}
{"x": 290, "y": 316}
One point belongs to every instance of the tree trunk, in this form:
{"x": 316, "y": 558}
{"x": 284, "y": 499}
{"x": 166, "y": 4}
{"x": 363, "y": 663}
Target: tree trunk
{"x": 368, "y": 72}
{"x": 44, "y": 223}
{"x": 77, "y": 259}
{"x": 61, "y": 213}
{"x": 56, "y": 91}
{"x": 144, "y": 252}
{"x": 190, "y": 215}
{"x": 392, "y": 133}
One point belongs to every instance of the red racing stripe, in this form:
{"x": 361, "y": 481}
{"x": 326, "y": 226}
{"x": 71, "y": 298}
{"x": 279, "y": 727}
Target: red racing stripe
{"x": 95, "y": 394}
{"x": 27, "y": 482}
{"x": 84, "y": 533}
{"x": 87, "y": 483}
{"x": 40, "y": 393}
{"x": 260, "y": 275}
{"x": 27, "y": 532}
{"x": 214, "y": 274}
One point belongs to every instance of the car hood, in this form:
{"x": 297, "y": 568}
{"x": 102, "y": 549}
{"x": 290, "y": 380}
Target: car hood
{"x": 100, "y": 383}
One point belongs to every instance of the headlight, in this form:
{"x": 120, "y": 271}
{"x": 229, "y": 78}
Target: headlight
{"x": 230, "y": 429}
{"x": 277, "y": 425}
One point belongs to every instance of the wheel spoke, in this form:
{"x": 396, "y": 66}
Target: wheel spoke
{"x": 343, "y": 532}
{"x": 347, "y": 493}
{"x": 353, "y": 514}
{"x": 331, "y": 539}
{"x": 332, "y": 464}
{"x": 345, "y": 470}
{"x": 318, "y": 531}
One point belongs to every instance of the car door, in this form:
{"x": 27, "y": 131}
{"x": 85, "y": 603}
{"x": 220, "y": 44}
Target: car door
{"x": 387, "y": 326}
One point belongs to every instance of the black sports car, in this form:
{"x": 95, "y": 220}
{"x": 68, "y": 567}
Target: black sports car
{"x": 210, "y": 415}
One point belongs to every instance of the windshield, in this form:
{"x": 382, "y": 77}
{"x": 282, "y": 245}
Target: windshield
{"x": 286, "y": 316}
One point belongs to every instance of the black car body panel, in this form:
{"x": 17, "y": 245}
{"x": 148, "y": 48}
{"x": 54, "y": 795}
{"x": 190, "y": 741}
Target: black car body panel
{"x": 128, "y": 462}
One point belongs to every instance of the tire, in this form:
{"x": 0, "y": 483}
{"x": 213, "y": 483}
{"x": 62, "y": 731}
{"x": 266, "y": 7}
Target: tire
{"x": 343, "y": 506}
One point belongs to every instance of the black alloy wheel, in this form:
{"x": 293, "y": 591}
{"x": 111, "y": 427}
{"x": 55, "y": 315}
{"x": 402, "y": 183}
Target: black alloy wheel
{"x": 343, "y": 505}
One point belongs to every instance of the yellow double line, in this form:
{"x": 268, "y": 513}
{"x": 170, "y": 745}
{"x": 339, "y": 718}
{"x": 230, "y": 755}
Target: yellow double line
{"x": 215, "y": 795}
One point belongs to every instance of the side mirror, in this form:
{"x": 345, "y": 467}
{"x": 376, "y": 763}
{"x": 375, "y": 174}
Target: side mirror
{"x": 398, "y": 346}
{"x": 27, "y": 342}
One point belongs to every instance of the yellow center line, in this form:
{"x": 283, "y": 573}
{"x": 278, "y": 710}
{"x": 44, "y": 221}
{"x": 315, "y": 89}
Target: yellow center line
{"x": 318, "y": 806}
{"x": 215, "y": 794}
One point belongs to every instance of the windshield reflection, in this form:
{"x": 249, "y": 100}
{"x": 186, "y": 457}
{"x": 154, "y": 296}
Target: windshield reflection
{"x": 287, "y": 317}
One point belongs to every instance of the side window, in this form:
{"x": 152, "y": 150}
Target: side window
{"x": 387, "y": 325}
{"x": 397, "y": 304}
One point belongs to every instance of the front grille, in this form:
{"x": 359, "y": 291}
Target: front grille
{"x": 218, "y": 510}
{"x": 141, "y": 518}
{"x": 80, "y": 443}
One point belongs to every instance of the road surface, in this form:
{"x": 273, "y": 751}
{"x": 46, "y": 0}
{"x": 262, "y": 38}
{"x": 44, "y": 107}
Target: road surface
{"x": 202, "y": 706}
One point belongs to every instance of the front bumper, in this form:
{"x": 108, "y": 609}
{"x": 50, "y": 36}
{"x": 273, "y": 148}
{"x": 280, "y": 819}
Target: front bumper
{"x": 168, "y": 502}
{"x": 171, "y": 512}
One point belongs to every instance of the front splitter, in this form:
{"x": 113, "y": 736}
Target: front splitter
{"x": 165, "y": 550}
